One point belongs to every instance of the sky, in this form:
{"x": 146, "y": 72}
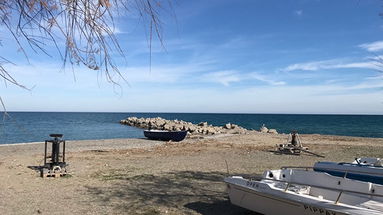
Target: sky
{"x": 222, "y": 56}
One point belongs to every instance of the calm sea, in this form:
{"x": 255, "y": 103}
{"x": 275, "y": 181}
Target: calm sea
{"x": 22, "y": 127}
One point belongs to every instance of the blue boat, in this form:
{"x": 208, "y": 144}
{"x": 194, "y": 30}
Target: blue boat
{"x": 363, "y": 169}
{"x": 165, "y": 135}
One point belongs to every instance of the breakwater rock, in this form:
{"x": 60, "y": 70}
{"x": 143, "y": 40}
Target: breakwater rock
{"x": 180, "y": 125}
{"x": 264, "y": 129}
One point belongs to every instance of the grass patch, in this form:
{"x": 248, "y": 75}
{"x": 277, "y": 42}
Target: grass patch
{"x": 67, "y": 176}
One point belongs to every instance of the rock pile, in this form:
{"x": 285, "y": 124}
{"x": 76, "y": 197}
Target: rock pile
{"x": 180, "y": 125}
{"x": 264, "y": 129}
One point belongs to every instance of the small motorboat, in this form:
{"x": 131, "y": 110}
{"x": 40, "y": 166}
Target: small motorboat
{"x": 165, "y": 135}
{"x": 299, "y": 191}
{"x": 363, "y": 169}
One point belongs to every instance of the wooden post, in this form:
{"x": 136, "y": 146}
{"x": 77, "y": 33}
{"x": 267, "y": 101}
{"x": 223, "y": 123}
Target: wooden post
{"x": 64, "y": 151}
{"x": 45, "y": 154}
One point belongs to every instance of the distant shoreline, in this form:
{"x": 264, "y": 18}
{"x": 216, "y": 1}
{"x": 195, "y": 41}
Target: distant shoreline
{"x": 239, "y": 113}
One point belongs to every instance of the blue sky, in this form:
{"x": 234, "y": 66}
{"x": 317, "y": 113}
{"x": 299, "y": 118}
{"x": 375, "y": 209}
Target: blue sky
{"x": 248, "y": 56}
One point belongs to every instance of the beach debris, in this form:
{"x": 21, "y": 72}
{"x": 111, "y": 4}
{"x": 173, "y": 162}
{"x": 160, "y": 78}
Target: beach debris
{"x": 202, "y": 128}
{"x": 293, "y": 146}
{"x": 56, "y": 166}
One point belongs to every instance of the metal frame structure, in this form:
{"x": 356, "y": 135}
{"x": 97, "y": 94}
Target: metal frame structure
{"x": 55, "y": 167}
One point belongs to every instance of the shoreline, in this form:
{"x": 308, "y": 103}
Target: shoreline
{"x": 215, "y": 136}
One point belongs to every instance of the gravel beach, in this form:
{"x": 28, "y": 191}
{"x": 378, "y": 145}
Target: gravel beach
{"x": 139, "y": 176}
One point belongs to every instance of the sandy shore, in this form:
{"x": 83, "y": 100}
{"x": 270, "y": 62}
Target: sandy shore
{"x": 139, "y": 176}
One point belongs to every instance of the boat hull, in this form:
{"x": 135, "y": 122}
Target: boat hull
{"x": 264, "y": 202}
{"x": 165, "y": 135}
{"x": 323, "y": 194}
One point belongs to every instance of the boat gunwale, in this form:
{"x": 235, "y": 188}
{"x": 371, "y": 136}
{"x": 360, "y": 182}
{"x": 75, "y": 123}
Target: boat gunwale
{"x": 334, "y": 169}
{"x": 164, "y": 131}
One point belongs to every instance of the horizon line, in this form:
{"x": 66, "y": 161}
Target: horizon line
{"x": 146, "y": 112}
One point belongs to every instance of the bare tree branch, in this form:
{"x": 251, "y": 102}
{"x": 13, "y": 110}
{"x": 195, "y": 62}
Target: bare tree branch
{"x": 86, "y": 26}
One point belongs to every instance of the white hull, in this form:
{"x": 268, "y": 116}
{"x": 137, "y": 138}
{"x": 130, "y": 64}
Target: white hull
{"x": 271, "y": 197}
{"x": 271, "y": 205}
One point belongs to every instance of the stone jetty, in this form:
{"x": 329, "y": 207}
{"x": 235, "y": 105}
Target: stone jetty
{"x": 202, "y": 128}
{"x": 264, "y": 129}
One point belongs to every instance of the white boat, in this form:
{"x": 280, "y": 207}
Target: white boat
{"x": 298, "y": 191}
{"x": 363, "y": 169}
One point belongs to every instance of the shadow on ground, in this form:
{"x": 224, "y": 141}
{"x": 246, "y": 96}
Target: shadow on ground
{"x": 185, "y": 192}
{"x": 217, "y": 208}
{"x": 36, "y": 168}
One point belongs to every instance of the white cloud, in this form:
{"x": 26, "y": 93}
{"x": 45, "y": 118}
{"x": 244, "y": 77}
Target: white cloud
{"x": 224, "y": 77}
{"x": 308, "y": 66}
{"x": 362, "y": 65}
{"x": 372, "y": 47}
{"x": 230, "y": 76}
{"x": 331, "y": 64}
{"x": 267, "y": 80}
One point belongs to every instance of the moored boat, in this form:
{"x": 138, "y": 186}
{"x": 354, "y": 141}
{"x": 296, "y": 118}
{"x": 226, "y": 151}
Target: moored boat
{"x": 298, "y": 191}
{"x": 165, "y": 135}
{"x": 363, "y": 169}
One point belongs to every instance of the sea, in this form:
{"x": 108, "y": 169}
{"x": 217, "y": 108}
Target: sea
{"x": 24, "y": 127}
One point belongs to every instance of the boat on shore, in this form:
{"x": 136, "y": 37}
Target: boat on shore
{"x": 363, "y": 169}
{"x": 299, "y": 191}
{"x": 165, "y": 135}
